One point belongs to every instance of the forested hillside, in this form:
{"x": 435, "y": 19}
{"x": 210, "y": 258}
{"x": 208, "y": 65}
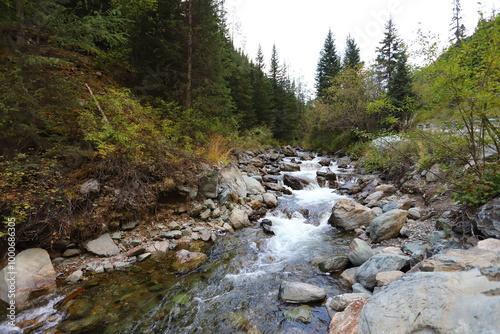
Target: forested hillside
{"x": 126, "y": 91}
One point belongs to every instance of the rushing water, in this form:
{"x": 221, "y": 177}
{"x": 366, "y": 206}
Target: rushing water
{"x": 234, "y": 291}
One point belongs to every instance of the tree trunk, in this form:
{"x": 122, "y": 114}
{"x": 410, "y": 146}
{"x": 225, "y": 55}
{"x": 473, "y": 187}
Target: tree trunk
{"x": 189, "y": 83}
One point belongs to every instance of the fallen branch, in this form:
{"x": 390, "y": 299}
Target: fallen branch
{"x": 97, "y": 103}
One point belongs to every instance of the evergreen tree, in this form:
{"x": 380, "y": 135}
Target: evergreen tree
{"x": 457, "y": 27}
{"x": 393, "y": 77}
{"x": 351, "y": 58}
{"x": 388, "y": 54}
{"x": 328, "y": 66}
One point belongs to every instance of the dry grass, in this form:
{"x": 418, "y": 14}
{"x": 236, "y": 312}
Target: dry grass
{"x": 218, "y": 149}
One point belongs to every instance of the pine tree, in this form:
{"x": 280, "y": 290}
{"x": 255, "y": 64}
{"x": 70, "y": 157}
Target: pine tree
{"x": 457, "y": 26}
{"x": 328, "y": 66}
{"x": 388, "y": 54}
{"x": 351, "y": 58}
{"x": 400, "y": 93}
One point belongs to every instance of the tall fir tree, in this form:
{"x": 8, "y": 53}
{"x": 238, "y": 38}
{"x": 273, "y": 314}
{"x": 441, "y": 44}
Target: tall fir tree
{"x": 388, "y": 54}
{"x": 328, "y": 66}
{"x": 457, "y": 26}
{"x": 352, "y": 57}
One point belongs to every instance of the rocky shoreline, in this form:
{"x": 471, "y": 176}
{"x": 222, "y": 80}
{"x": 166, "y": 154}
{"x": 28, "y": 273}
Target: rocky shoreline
{"x": 407, "y": 238}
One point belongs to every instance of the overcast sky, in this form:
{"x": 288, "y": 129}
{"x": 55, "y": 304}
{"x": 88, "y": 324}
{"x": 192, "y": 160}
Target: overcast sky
{"x": 299, "y": 27}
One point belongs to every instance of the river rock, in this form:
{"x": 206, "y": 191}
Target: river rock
{"x": 366, "y": 273}
{"x": 340, "y": 302}
{"x": 343, "y": 162}
{"x": 75, "y": 276}
{"x": 489, "y": 244}
{"x": 387, "y": 277}
{"x": 336, "y": 263}
{"x": 297, "y": 292}
{"x": 71, "y": 252}
{"x": 387, "y": 189}
{"x": 186, "y": 261}
{"x": 138, "y": 250}
{"x": 488, "y": 219}
{"x": 299, "y": 314}
{"x": 349, "y": 276}
{"x": 460, "y": 260}
{"x": 359, "y": 252}
{"x": 289, "y": 151}
{"x": 102, "y": 246}
{"x": 270, "y": 200}
{"x": 208, "y": 184}
{"x": 33, "y": 272}
{"x": 414, "y": 213}
{"x": 289, "y": 167}
{"x": 254, "y": 187}
{"x": 459, "y": 302}
{"x": 296, "y": 183}
{"x": 239, "y": 219}
{"x": 374, "y": 197}
{"x": 387, "y": 225}
{"x": 231, "y": 180}
{"x": 349, "y": 215}
{"x": 347, "y": 322}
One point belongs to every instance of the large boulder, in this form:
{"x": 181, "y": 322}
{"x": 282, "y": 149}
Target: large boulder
{"x": 270, "y": 200}
{"x": 103, "y": 246}
{"x": 208, "y": 185}
{"x": 335, "y": 263}
{"x": 33, "y": 271}
{"x": 296, "y": 183}
{"x": 359, "y": 252}
{"x": 349, "y": 215}
{"x": 231, "y": 181}
{"x": 387, "y": 225}
{"x": 367, "y": 272}
{"x": 239, "y": 219}
{"x": 254, "y": 187}
{"x": 460, "y": 260}
{"x": 459, "y": 302}
{"x": 488, "y": 219}
{"x": 297, "y": 292}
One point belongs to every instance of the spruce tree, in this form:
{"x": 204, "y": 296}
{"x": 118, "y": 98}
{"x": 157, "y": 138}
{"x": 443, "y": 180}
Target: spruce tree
{"x": 388, "y": 54}
{"x": 351, "y": 57}
{"x": 328, "y": 66}
{"x": 457, "y": 26}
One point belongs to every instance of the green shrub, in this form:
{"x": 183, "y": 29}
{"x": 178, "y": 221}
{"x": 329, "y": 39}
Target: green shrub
{"x": 474, "y": 189}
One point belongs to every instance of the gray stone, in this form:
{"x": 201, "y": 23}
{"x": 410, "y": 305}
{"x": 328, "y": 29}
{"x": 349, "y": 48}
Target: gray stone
{"x": 121, "y": 265}
{"x": 270, "y": 200}
{"x": 366, "y": 273}
{"x": 142, "y": 257}
{"x": 343, "y": 162}
{"x": 174, "y": 226}
{"x": 72, "y": 252}
{"x": 34, "y": 272}
{"x": 209, "y": 203}
{"x": 75, "y": 276}
{"x": 399, "y": 204}
{"x": 57, "y": 260}
{"x": 129, "y": 225}
{"x": 488, "y": 219}
{"x": 359, "y": 288}
{"x": 359, "y": 252}
{"x": 297, "y": 292}
{"x": 340, "y": 302}
{"x": 91, "y": 186}
{"x": 459, "y": 302}
{"x": 289, "y": 167}
{"x": 205, "y": 214}
{"x": 186, "y": 261}
{"x": 231, "y": 180}
{"x": 239, "y": 219}
{"x": 387, "y": 225}
{"x": 289, "y": 151}
{"x": 102, "y": 246}
{"x": 349, "y": 215}
{"x": 387, "y": 189}
{"x": 116, "y": 236}
{"x": 254, "y": 187}
{"x": 414, "y": 213}
{"x": 374, "y": 197}
{"x": 99, "y": 269}
{"x": 489, "y": 245}
{"x": 349, "y": 276}
{"x": 299, "y": 314}
{"x": 336, "y": 263}
{"x": 434, "y": 174}
{"x": 296, "y": 183}
{"x": 138, "y": 250}
{"x": 208, "y": 185}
